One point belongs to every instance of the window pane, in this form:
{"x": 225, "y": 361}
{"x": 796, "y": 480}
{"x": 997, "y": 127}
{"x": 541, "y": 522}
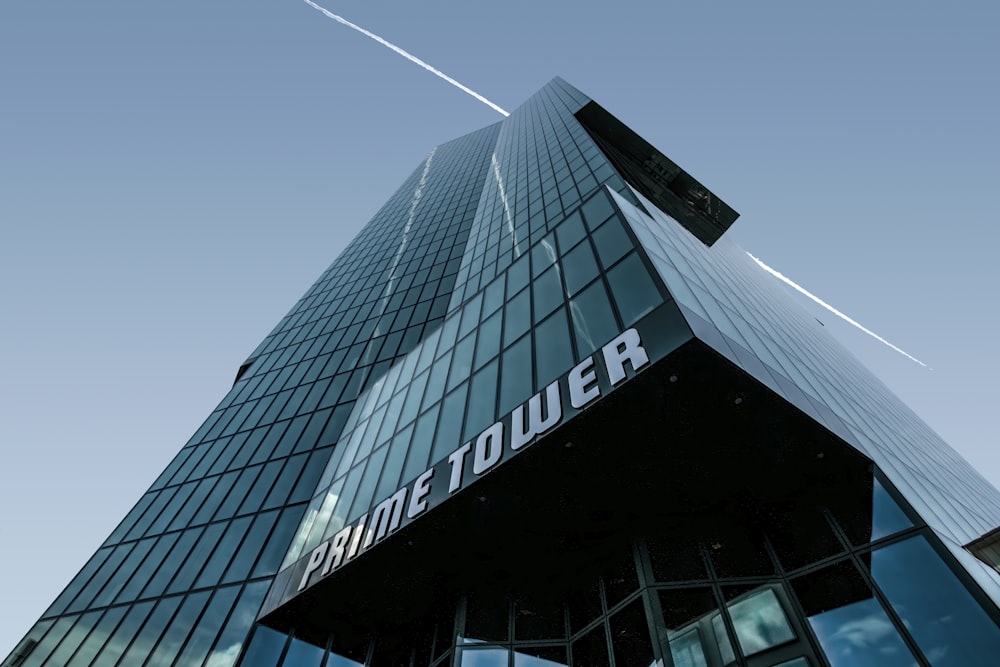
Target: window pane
{"x": 635, "y": 293}
{"x": 683, "y": 611}
{"x": 947, "y": 623}
{"x": 579, "y": 267}
{"x": 515, "y": 376}
{"x": 591, "y": 650}
{"x": 848, "y": 621}
{"x": 630, "y": 636}
{"x": 593, "y": 320}
{"x": 760, "y": 621}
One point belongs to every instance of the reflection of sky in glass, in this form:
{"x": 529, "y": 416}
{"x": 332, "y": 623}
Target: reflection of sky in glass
{"x": 946, "y": 622}
{"x": 887, "y": 518}
{"x": 760, "y": 623}
{"x": 337, "y": 660}
{"x": 525, "y": 660}
{"x": 486, "y": 657}
{"x": 860, "y": 635}
{"x": 685, "y": 649}
{"x": 795, "y": 662}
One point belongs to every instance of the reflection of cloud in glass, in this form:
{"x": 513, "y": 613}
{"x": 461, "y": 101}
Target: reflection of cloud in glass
{"x": 860, "y": 635}
{"x": 525, "y": 660}
{"x": 489, "y": 657}
{"x": 865, "y": 632}
{"x": 760, "y": 622}
{"x": 224, "y": 657}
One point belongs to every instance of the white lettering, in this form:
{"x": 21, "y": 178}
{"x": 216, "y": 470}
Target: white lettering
{"x": 489, "y": 448}
{"x": 625, "y": 346}
{"x": 336, "y": 557}
{"x": 359, "y": 530}
{"x": 457, "y": 460}
{"x": 418, "y": 500}
{"x": 579, "y": 379}
{"x": 519, "y": 435}
{"x": 315, "y": 560}
{"x": 386, "y": 517}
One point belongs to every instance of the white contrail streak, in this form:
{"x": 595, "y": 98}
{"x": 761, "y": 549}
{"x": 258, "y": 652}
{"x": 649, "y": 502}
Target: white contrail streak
{"x": 408, "y": 56}
{"x": 833, "y": 310}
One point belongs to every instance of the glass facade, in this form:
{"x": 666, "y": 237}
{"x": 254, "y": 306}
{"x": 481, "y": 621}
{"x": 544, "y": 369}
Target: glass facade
{"x": 542, "y": 412}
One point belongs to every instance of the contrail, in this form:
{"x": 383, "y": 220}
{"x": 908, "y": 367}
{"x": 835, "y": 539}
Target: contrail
{"x": 408, "y": 56}
{"x": 833, "y": 310}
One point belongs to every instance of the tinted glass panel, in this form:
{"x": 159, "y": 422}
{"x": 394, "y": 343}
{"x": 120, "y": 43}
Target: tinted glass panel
{"x": 848, "y": 621}
{"x": 947, "y": 623}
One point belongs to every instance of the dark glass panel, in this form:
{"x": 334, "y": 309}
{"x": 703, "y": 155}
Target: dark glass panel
{"x": 127, "y": 570}
{"x": 461, "y": 362}
{"x": 306, "y": 484}
{"x": 102, "y": 632}
{"x": 518, "y": 275}
{"x": 591, "y": 650}
{"x": 801, "y": 535}
{"x": 223, "y": 552}
{"x": 116, "y": 643}
{"x": 850, "y": 624}
{"x": 584, "y": 605}
{"x": 239, "y": 569}
{"x": 230, "y": 642}
{"x": 538, "y": 617}
{"x": 579, "y": 267}
{"x": 948, "y": 624}
{"x": 684, "y": 610}
{"x": 570, "y": 231}
{"x": 553, "y": 348}
{"x": 183, "y": 518}
{"x": 518, "y": 317}
{"x": 621, "y": 580}
{"x": 151, "y": 631}
{"x": 196, "y": 558}
{"x": 547, "y": 292}
{"x": 272, "y": 554}
{"x": 540, "y": 656}
{"x": 493, "y": 296}
{"x": 515, "y": 375}
{"x": 204, "y": 634}
{"x": 171, "y": 563}
{"x": 449, "y": 429}
{"x": 486, "y": 618}
{"x": 630, "y": 637}
{"x": 597, "y": 210}
{"x": 612, "y": 242}
{"x": 543, "y": 254}
{"x": 676, "y": 558}
{"x": 593, "y": 320}
{"x": 488, "y": 343}
{"x": 633, "y": 289}
{"x": 737, "y": 550}
{"x": 265, "y": 648}
{"x": 238, "y": 492}
{"x": 79, "y": 632}
{"x": 444, "y": 631}
{"x": 482, "y": 400}
{"x": 143, "y": 574}
{"x": 101, "y": 578}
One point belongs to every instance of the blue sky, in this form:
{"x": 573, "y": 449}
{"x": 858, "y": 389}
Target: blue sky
{"x": 173, "y": 176}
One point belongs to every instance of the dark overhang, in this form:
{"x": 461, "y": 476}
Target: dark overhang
{"x": 692, "y": 440}
{"x": 658, "y": 177}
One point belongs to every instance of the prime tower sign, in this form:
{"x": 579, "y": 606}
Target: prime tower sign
{"x": 475, "y": 458}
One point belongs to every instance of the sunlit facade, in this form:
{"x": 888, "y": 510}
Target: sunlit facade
{"x": 541, "y": 412}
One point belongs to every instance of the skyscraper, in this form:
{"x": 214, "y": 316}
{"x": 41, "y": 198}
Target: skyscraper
{"x": 541, "y": 410}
